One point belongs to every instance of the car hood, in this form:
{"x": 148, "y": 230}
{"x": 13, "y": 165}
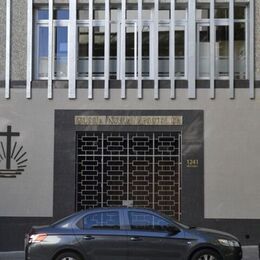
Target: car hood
{"x": 213, "y": 232}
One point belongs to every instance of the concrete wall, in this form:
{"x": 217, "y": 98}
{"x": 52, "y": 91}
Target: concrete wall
{"x": 232, "y": 147}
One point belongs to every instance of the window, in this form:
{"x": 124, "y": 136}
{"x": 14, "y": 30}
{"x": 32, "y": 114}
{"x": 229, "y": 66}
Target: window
{"x": 147, "y": 222}
{"x": 41, "y": 46}
{"x": 102, "y": 220}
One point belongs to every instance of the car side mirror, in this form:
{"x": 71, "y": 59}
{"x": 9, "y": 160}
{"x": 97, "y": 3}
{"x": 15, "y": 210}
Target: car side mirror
{"x": 172, "y": 230}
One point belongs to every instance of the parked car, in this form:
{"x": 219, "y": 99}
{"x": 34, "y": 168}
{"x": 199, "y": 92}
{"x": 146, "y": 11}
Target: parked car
{"x": 127, "y": 234}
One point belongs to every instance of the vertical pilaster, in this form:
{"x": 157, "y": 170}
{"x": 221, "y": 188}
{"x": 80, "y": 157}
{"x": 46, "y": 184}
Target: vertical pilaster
{"x": 123, "y": 36}
{"x": 140, "y": 58}
{"x": 252, "y": 49}
{"x": 172, "y": 49}
{"x": 90, "y": 51}
{"x": 51, "y": 60}
{"x": 212, "y": 48}
{"x": 107, "y": 51}
{"x": 231, "y": 50}
{"x": 29, "y": 48}
{"x": 72, "y": 62}
{"x": 192, "y": 49}
{"x": 7, "y": 49}
{"x": 156, "y": 51}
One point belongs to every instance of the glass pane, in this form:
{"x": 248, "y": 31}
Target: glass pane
{"x": 164, "y": 43}
{"x": 222, "y": 51}
{"x": 202, "y": 13}
{"x": 147, "y": 222}
{"x": 130, "y": 51}
{"x": 146, "y": 51}
{"x": 82, "y": 14}
{"x": 83, "y": 41}
{"x": 239, "y": 12}
{"x": 113, "y": 51}
{"x": 103, "y": 220}
{"x": 240, "y": 51}
{"x": 98, "y": 51}
{"x": 179, "y": 52}
{"x": 61, "y": 14}
{"x": 43, "y": 52}
{"x": 221, "y": 12}
{"x": 180, "y": 14}
{"x": 43, "y": 14}
{"x": 99, "y": 14}
{"x": 61, "y": 51}
{"x": 164, "y": 11}
{"x": 204, "y": 51}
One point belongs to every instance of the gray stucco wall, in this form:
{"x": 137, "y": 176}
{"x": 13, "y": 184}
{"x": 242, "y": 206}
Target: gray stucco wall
{"x": 19, "y": 40}
{"x": 2, "y": 40}
{"x": 232, "y": 146}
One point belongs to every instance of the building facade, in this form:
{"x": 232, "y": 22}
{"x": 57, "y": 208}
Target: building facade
{"x": 136, "y": 103}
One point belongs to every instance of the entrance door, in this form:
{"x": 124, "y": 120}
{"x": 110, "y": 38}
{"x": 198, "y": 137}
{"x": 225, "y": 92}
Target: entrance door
{"x": 129, "y": 168}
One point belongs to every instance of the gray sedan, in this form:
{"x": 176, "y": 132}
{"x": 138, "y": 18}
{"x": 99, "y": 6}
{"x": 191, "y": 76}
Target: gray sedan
{"x": 127, "y": 234}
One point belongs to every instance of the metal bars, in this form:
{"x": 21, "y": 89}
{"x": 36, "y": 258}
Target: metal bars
{"x": 90, "y": 50}
{"x": 231, "y": 49}
{"x": 72, "y": 64}
{"x": 123, "y": 49}
{"x": 212, "y": 49}
{"x": 50, "y": 50}
{"x": 156, "y": 46}
{"x": 139, "y": 66}
{"x": 172, "y": 49}
{"x": 107, "y": 51}
{"x": 252, "y": 49}
{"x": 192, "y": 49}
{"x": 138, "y": 63}
{"x": 29, "y": 48}
{"x": 7, "y": 46}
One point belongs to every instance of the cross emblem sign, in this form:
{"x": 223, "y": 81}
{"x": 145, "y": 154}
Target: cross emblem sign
{"x": 11, "y": 154}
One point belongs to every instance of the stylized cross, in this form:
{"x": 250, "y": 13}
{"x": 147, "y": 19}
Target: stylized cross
{"x": 9, "y": 136}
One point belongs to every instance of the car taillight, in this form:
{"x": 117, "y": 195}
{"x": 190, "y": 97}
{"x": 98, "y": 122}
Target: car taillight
{"x": 37, "y": 238}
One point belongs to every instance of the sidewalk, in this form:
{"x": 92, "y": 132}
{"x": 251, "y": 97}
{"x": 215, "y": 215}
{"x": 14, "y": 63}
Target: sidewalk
{"x": 250, "y": 253}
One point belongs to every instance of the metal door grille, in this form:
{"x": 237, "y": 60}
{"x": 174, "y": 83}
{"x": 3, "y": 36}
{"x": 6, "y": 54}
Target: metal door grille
{"x": 142, "y": 167}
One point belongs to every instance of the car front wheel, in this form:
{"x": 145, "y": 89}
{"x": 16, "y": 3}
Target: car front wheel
{"x": 68, "y": 256}
{"x": 206, "y": 254}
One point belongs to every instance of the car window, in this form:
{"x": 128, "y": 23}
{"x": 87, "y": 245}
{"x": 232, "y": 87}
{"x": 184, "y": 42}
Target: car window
{"x": 147, "y": 222}
{"x": 102, "y": 220}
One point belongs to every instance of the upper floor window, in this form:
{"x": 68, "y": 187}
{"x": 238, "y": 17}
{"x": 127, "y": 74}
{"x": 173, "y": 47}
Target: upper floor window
{"x": 126, "y": 40}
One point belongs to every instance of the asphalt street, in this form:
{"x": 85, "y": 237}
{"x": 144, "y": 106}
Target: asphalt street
{"x": 249, "y": 252}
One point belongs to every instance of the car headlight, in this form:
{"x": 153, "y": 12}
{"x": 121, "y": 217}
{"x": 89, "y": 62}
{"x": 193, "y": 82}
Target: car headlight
{"x": 231, "y": 243}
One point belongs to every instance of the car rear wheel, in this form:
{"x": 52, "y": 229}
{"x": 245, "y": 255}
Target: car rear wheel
{"x": 68, "y": 256}
{"x": 206, "y": 254}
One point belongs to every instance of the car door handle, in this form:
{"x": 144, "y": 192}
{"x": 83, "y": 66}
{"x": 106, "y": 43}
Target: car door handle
{"x": 88, "y": 237}
{"x": 136, "y": 239}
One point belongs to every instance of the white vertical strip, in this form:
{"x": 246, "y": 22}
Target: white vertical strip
{"x": 172, "y": 49}
{"x": 72, "y": 55}
{"x": 90, "y": 50}
{"x": 29, "y": 48}
{"x": 107, "y": 51}
{"x": 212, "y": 49}
{"x": 192, "y": 49}
{"x": 51, "y": 44}
{"x": 156, "y": 45}
{"x": 7, "y": 50}
{"x": 118, "y": 44}
{"x": 231, "y": 49}
{"x": 252, "y": 49}
{"x": 123, "y": 36}
{"x": 140, "y": 53}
